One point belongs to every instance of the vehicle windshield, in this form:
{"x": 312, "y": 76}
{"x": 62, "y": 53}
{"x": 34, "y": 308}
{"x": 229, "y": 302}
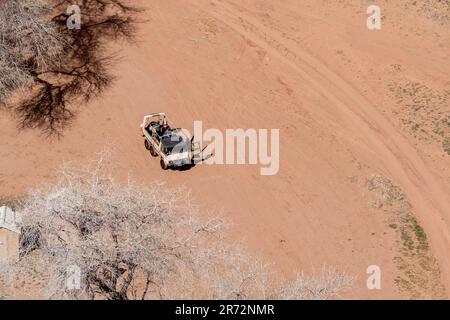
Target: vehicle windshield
{"x": 174, "y": 144}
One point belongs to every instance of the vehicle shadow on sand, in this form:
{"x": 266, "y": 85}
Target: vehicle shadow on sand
{"x": 187, "y": 167}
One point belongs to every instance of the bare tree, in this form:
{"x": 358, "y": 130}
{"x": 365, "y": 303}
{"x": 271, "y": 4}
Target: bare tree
{"x": 89, "y": 237}
{"x": 60, "y": 68}
{"x": 28, "y": 41}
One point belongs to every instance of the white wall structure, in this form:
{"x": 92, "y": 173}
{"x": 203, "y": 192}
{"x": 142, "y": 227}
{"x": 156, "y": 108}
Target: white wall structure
{"x": 9, "y": 233}
{"x": 10, "y": 219}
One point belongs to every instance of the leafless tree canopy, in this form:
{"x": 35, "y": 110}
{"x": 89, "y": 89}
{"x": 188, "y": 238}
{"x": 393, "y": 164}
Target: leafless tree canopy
{"x": 29, "y": 41}
{"x": 60, "y": 68}
{"x": 135, "y": 242}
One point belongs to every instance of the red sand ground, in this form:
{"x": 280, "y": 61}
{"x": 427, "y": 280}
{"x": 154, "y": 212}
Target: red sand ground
{"x": 310, "y": 68}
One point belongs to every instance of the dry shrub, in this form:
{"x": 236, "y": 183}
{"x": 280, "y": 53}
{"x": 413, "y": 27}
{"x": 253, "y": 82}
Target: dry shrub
{"x": 328, "y": 282}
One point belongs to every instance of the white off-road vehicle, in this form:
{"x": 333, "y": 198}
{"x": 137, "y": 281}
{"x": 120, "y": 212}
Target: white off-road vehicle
{"x": 172, "y": 144}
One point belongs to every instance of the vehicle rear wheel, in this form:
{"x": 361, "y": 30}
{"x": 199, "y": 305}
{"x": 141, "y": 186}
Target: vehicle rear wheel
{"x": 153, "y": 151}
{"x": 147, "y": 144}
{"x": 164, "y": 166}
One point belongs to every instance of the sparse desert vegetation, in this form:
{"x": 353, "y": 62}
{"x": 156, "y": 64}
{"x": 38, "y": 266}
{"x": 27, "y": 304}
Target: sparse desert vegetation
{"x": 424, "y": 111}
{"x": 419, "y": 274}
{"x": 438, "y": 10}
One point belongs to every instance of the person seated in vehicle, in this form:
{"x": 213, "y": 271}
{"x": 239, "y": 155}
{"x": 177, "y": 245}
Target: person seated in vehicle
{"x": 164, "y": 127}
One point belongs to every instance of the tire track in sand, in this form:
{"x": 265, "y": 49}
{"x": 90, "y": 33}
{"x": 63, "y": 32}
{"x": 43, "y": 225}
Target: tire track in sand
{"x": 392, "y": 152}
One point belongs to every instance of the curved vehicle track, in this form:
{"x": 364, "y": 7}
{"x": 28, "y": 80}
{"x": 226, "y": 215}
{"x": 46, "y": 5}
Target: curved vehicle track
{"x": 392, "y": 152}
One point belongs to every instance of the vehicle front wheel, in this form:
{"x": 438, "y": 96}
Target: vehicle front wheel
{"x": 153, "y": 151}
{"x": 164, "y": 166}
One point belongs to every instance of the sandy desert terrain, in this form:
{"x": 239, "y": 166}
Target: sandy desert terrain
{"x": 364, "y": 119}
